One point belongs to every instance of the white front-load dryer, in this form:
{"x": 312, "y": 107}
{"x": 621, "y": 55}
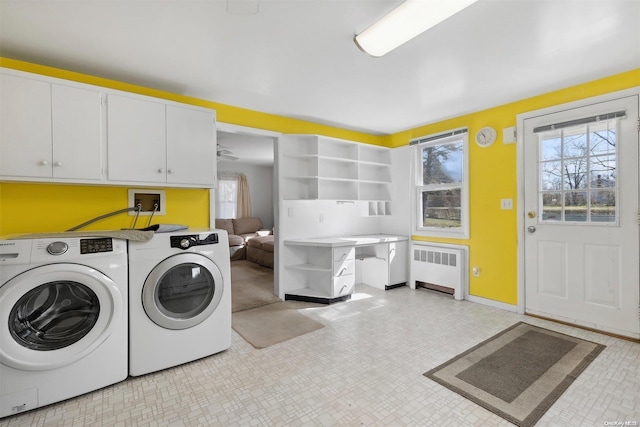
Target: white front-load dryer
{"x": 63, "y": 319}
{"x": 179, "y": 299}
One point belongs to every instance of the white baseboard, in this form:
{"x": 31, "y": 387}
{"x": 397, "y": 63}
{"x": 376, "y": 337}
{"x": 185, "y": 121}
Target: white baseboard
{"x": 492, "y": 303}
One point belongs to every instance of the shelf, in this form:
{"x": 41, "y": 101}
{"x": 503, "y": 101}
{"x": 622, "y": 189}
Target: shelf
{"x": 371, "y": 181}
{"x": 374, "y": 155}
{"x": 337, "y": 159}
{"x": 379, "y": 208}
{"x": 308, "y": 267}
{"x": 324, "y": 168}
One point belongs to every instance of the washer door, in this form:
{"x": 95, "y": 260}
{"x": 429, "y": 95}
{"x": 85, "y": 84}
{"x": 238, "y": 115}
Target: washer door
{"x": 182, "y": 291}
{"x": 56, "y": 314}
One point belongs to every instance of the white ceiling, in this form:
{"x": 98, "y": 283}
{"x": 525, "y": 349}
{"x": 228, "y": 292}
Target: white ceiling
{"x": 249, "y": 149}
{"x": 296, "y": 58}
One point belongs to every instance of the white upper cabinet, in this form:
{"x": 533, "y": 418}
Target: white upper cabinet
{"x": 49, "y": 130}
{"x": 25, "y": 127}
{"x": 155, "y": 142}
{"x": 191, "y": 146}
{"x": 54, "y": 130}
{"x": 77, "y": 133}
{"x": 136, "y": 140}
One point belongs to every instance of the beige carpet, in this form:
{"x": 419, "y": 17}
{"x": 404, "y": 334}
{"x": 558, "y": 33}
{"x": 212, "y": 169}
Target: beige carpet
{"x": 251, "y": 286}
{"x": 259, "y": 316}
{"x": 519, "y": 373}
{"x": 274, "y": 323}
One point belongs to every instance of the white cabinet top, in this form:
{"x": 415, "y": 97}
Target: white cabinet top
{"x": 338, "y": 241}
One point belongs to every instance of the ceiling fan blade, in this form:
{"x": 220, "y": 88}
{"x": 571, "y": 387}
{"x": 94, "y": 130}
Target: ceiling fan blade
{"x": 227, "y": 157}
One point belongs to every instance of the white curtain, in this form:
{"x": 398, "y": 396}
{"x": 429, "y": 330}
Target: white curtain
{"x": 227, "y": 197}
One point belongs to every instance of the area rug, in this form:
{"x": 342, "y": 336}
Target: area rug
{"x": 251, "y": 286}
{"x": 518, "y": 373}
{"x": 272, "y": 324}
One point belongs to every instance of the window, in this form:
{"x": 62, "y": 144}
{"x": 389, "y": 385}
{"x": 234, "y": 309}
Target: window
{"x": 227, "y": 206}
{"x": 441, "y": 187}
{"x": 577, "y": 169}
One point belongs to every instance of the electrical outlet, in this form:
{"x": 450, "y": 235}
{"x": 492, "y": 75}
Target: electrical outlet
{"x": 506, "y": 203}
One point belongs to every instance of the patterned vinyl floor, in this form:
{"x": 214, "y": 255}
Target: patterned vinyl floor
{"x": 363, "y": 368}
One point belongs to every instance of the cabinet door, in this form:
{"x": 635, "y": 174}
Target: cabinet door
{"x": 136, "y": 138}
{"x": 77, "y": 133}
{"x": 398, "y": 262}
{"x": 191, "y": 146}
{"x": 25, "y": 127}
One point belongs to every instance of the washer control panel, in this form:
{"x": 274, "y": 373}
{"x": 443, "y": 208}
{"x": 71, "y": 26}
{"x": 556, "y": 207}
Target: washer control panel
{"x": 94, "y": 246}
{"x": 189, "y": 240}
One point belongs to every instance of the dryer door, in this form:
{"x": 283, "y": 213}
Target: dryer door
{"x": 182, "y": 291}
{"x": 54, "y": 315}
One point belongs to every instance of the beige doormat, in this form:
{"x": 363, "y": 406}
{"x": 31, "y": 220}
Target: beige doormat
{"x": 274, "y": 323}
{"x": 518, "y": 373}
{"x": 251, "y": 286}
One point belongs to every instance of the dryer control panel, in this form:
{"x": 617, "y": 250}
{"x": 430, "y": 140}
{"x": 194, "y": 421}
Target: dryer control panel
{"x": 187, "y": 241}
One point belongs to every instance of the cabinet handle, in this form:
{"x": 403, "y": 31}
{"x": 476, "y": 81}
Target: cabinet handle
{"x": 43, "y": 163}
{"x": 58, "y": 164}
{"x": 160, "y": 170}
{"x": 169, "y": 170}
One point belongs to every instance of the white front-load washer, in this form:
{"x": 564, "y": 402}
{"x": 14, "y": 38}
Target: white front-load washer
{"x": 63, "y": 319}
{"x": 179, "y": 299}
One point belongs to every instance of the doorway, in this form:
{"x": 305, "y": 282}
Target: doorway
{"x": 578, "y": 223}
{"x": 251, "y": 152}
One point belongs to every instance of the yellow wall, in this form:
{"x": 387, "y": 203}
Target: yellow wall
{"x": 493, "y": 234}
{"x": 493, "y": 231}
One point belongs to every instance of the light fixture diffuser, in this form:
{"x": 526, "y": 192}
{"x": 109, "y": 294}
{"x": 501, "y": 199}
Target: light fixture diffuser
{"x": 406, "y": 21}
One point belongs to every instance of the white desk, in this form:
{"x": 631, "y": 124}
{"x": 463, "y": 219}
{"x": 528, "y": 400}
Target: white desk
{"x": 324, "y": 269}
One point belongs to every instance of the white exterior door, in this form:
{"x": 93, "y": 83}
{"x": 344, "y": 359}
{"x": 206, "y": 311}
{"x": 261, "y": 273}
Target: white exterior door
{"x": 581, "y": 242}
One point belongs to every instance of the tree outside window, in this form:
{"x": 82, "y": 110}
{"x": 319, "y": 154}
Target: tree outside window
{"x": 578, "y": 173}
{"x": 441, "y": 187}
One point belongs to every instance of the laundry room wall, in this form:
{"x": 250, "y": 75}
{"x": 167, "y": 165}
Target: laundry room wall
{"x": 27, "y": 208}
{"x": 493, "y": 172}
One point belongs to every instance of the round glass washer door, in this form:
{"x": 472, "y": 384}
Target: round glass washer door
{"x": 182, "y": 291}
{"x": 56, "y": 314}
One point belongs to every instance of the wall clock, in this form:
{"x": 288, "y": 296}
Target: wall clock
{"x": 486, "y": 136}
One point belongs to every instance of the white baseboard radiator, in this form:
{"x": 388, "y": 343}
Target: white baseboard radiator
{"x": 441, "y": 267}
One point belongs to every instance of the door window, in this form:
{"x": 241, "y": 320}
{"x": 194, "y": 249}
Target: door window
{"x": 54, "y": 315}
{"x": 578, "y": 174}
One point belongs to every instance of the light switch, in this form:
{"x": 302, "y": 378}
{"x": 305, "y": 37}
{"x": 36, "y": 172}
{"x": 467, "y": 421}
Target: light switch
{"x": 509, "y": 135}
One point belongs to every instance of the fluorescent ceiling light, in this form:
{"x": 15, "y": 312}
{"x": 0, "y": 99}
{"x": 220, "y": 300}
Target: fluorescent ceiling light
{"x": 406, "y": 21}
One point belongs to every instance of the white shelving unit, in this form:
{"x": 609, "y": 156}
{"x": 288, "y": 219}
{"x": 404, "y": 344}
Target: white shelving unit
{"x": 322, "y": 168}
{"x": 319, "y": 273}
{"x": 326, "y": 270}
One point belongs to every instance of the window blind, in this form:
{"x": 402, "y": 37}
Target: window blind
{"x": 583, "y": 121}
{"x": 432, "y": 138}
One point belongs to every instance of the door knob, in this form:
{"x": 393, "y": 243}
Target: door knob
{"x": 531, "y": 229}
